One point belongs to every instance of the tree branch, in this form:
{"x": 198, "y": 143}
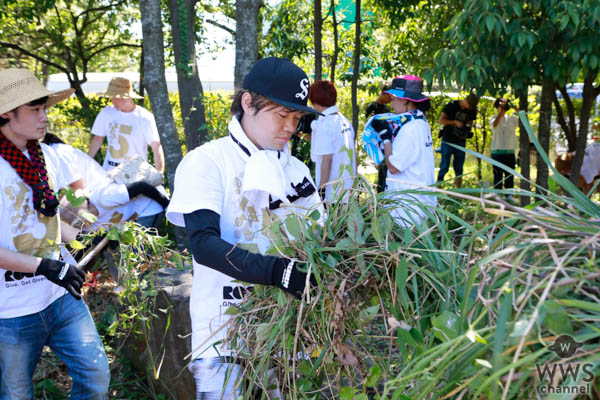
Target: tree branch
{"x": 137, "y": 46}
{"x": 225, "y": 28}
{"x": 34, "y": 56}
{"x": 570, "y": 108}
{"x": 104, "y": 8}
{"x": 560, "y": 116}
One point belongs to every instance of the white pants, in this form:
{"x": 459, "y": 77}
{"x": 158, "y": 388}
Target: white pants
{"x": 215, "y": 379}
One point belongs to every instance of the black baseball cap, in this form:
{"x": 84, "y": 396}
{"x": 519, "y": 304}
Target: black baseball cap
{"x": 281, "y": 81}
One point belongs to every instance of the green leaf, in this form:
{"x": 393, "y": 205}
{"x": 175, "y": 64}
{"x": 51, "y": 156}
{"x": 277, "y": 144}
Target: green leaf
{"x": 113, "y": 234}
{"x": 521, "y": 38}
{"x": 368, "y": 313}
{"x": 446, "y": 326}
{"x": 564, "y": 21}
{"x": 76, "y": 244}
{"x": 293, "y": 226}
{"x": 593, "y": 61}
{"x": 490, "y": 21}
{"x": 347, "y": 393}
{"x": 556, "y": 319}
{"x": 374, "y": 375}
{"x": 584, "y": 305}
{"x": 377, "y": 230}
{"x": 355, "y": 224}
{"x": 518, "y": 8}
{"x": 127, "y": 237}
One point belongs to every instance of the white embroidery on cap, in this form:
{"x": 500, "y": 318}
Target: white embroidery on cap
{"x": 304, "y": 86}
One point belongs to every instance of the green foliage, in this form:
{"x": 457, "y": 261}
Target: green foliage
{"x": 69, "y": 36}
{"x": 553, "y": 39}
{"x": 461, "y": 304}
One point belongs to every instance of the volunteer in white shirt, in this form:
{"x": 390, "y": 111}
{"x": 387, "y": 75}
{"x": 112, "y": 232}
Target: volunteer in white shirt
{"x": 224, "y": 204}
{"x": 409, "y": 157}
{"x": 332, "y": 143}
{"x": 504, "y": 143}
{"x": 114, "y": 202}
{"x": 40, "y": 302}
{"x": 129, "y": 128}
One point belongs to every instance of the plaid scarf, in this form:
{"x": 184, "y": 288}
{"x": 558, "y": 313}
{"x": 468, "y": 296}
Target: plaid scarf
{"x": 33, "y": 172}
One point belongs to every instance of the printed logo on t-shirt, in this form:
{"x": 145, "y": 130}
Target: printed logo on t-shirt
{"x": 116, "y": 136}
{"x": 32, "y": 232}
{"x": 236, "y": 292}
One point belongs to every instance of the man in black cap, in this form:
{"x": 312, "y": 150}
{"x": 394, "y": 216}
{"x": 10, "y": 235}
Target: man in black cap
{"x": 226, "y": 193}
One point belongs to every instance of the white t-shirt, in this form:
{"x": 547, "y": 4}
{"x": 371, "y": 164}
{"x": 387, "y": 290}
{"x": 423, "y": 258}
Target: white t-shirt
{"x": 211, "y": 177}
{"x": 128, "y": 134}
{"x": 29, "y": 232}
{"x": 591, "y": 162}
{"x": 504, "y": 137}
{"x": 111, "y": 199}
{"x": 412, "y": 155}
{"x": 333, "y": 134}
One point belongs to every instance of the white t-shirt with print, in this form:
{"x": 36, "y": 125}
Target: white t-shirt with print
{"x": 504, "y": 137}
{"x": 211, "y": 177}
{"x": 333, "y": 134}
{"x": 29, "y": 232}
{"x": 412, "y": 155}
{"x": 111, "y": 199}
{"x": 128, "y": 134}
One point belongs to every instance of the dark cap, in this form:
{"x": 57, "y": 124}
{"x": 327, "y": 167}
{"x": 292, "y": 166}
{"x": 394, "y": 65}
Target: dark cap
{"x": 409, "y": 87}
{"x": 281, "y": 81}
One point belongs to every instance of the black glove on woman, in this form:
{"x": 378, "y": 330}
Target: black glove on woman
{"x": 65, "y": 275}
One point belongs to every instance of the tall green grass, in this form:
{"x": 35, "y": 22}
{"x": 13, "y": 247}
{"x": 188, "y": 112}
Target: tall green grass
{"x": 461, "y": 306}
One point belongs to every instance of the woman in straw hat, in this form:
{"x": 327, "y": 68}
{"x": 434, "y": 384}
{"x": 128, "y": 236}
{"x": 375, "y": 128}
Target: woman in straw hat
{"x": 129, "y": 128}
{"x": 40, "y": 302}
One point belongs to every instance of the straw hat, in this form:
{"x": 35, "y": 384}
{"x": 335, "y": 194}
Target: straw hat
{"x": 120, "y": 87}
{"x": 20, "y": 86}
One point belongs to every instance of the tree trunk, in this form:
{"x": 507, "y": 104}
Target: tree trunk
{"x": 141, "y": 84}
{"x": 246, "y": 38}
{"x": 191, "y": 94}
{"x": 336, "y": 45}
{"x": 156, "y": 84}
{"x": 524, "y": 159}
{"x": 568, "y": 128}
{"x": 83, "y": 100}
{"x": 544, "y": 134}
{"x": 356, "y": 69}
{"x": 589, "y": 96}
{"x": 317, "y": 27}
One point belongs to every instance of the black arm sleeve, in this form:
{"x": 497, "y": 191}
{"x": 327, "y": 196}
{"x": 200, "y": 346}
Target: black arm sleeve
{"x": 204, "y": 233}
{"x": 140, "y": 187}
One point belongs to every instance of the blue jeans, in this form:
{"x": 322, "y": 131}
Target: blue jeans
{"x": 65, "y": 326}
{"x": 459, "y": 160}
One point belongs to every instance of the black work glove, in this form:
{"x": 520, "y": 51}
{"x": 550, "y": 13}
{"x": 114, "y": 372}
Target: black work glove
{"x": 287, "y": 277}
{"x": 61, "y": 274}
{"x": 146, "y": 189}
{"x": 383, "y": 129}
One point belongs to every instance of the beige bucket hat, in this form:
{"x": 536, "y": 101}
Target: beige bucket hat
{"x": 120, "y": 87}
{"x": 19, "y": 86}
